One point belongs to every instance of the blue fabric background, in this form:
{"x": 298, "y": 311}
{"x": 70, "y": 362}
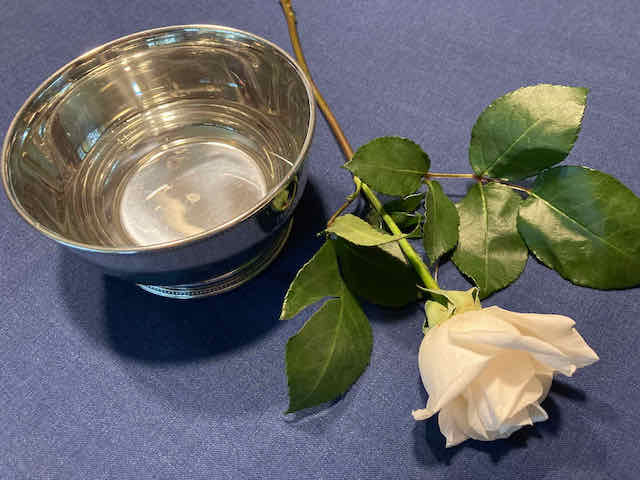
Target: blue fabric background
{"x": 101, "y": 380}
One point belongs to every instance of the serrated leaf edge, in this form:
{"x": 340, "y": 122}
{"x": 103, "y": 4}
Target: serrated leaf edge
{"x": 347, "y": 165}
{"x": 455, "y": 245}
{"x": 345, "y": 291}
{"x": 475, "y": 281}
{"x": 534, "y": 250}
{"x": 511, "y": 93}
{"x": 392, "y": 237}
{"x": 290, "y": 289}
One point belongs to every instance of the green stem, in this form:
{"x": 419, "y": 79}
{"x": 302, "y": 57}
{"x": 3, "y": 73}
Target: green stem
{"x": 449, "y": 175}
{"x": 347, "y": 202}
{"x": 413, "y": 257}
{"x": 507, "y": 184}
{"x": 406, "y": 247}
{"x": 290, "y": 16}
{"x": 473, "y": 176}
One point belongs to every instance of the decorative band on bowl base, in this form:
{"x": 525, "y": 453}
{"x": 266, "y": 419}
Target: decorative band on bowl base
{"x": 228, "y": 281}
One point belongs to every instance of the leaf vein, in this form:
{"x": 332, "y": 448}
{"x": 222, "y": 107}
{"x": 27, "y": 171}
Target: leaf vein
{"x": 392, "y": 169}
{"x": 332, "y": 349}
{"x": 515, "y": 142}
{"x": 586, "y": 229}
{"x": 485, "y": 212}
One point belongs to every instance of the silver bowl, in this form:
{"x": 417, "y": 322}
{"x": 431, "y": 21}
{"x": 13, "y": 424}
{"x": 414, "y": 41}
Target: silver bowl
{"x": 172, "y": 157}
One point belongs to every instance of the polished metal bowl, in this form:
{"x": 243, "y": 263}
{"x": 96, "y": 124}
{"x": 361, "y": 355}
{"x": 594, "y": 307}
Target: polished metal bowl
{"x": 172, "y": 157}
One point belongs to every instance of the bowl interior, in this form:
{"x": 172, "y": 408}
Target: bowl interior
{"x": 157, "y": 137}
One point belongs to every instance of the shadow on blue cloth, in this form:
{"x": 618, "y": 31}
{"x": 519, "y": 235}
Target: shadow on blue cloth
{"x": 153, "y": 329}
{"x": 429, "y": 443}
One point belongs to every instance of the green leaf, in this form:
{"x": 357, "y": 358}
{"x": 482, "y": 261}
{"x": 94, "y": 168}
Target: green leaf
{"x": 490, "y": 250}
{"x": 526, "y": 131}
{"x": 375, "y": 220}
{"x": 395, "y": 250}
{"x": 358, "y": 231}
{"x": 584, "y": 224}
{"x": 407, "y": 222}
{"x": 329, "y": 353}
{"x": 401, "y": 211}
{"x": 380, "y": 275}
{"x": 333, "y": 348}
{"x": 317, "y": 279}
{"x": 408, "y": 204}
{"x": 440, "y": 232}
{"x": 390, "y": 165}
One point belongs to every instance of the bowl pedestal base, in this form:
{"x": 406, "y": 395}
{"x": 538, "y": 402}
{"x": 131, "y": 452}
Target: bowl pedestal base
{"x": 228, "y": 281}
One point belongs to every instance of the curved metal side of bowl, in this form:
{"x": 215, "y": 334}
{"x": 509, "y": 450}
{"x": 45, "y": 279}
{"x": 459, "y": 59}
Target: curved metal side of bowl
{"x": 228, "y": 281}
{"x": 214, "y": 264}
{"x": 212, "y": 261}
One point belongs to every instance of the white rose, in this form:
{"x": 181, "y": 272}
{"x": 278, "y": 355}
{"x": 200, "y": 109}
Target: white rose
{"x": 487, "y": 370}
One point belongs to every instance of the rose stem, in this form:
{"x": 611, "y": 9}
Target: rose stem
{"x": 410, "y": 253}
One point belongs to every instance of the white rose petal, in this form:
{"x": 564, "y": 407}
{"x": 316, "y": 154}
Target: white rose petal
{"x": 557, "y": 330}
{"x": 486, "y": 371}
{"x": 453, "y": 423}
{"x": 499, "y": 394}
{"x": 444, "y": 384}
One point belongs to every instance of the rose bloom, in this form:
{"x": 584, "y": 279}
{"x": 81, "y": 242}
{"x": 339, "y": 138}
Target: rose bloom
{"x": 487, "y": 370}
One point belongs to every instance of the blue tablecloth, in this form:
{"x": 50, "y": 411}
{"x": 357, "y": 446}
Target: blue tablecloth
{"x": 101, "y": 380}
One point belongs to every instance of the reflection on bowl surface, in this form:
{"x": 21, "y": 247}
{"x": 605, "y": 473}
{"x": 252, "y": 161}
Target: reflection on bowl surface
{"x": 157, "y": 137}
{"x": 187, "y": 188}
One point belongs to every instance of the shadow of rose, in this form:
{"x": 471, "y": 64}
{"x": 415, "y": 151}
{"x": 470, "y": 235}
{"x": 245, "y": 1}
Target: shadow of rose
{"x": 429, "y": 443}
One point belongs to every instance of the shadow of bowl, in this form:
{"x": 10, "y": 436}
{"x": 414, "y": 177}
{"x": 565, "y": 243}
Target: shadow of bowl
{"x": 218, "y": 356}
{"x": 149, "y": 328}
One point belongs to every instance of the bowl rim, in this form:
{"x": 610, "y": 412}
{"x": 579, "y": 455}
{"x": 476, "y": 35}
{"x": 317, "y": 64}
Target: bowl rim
{"x": 174, "y": 243}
